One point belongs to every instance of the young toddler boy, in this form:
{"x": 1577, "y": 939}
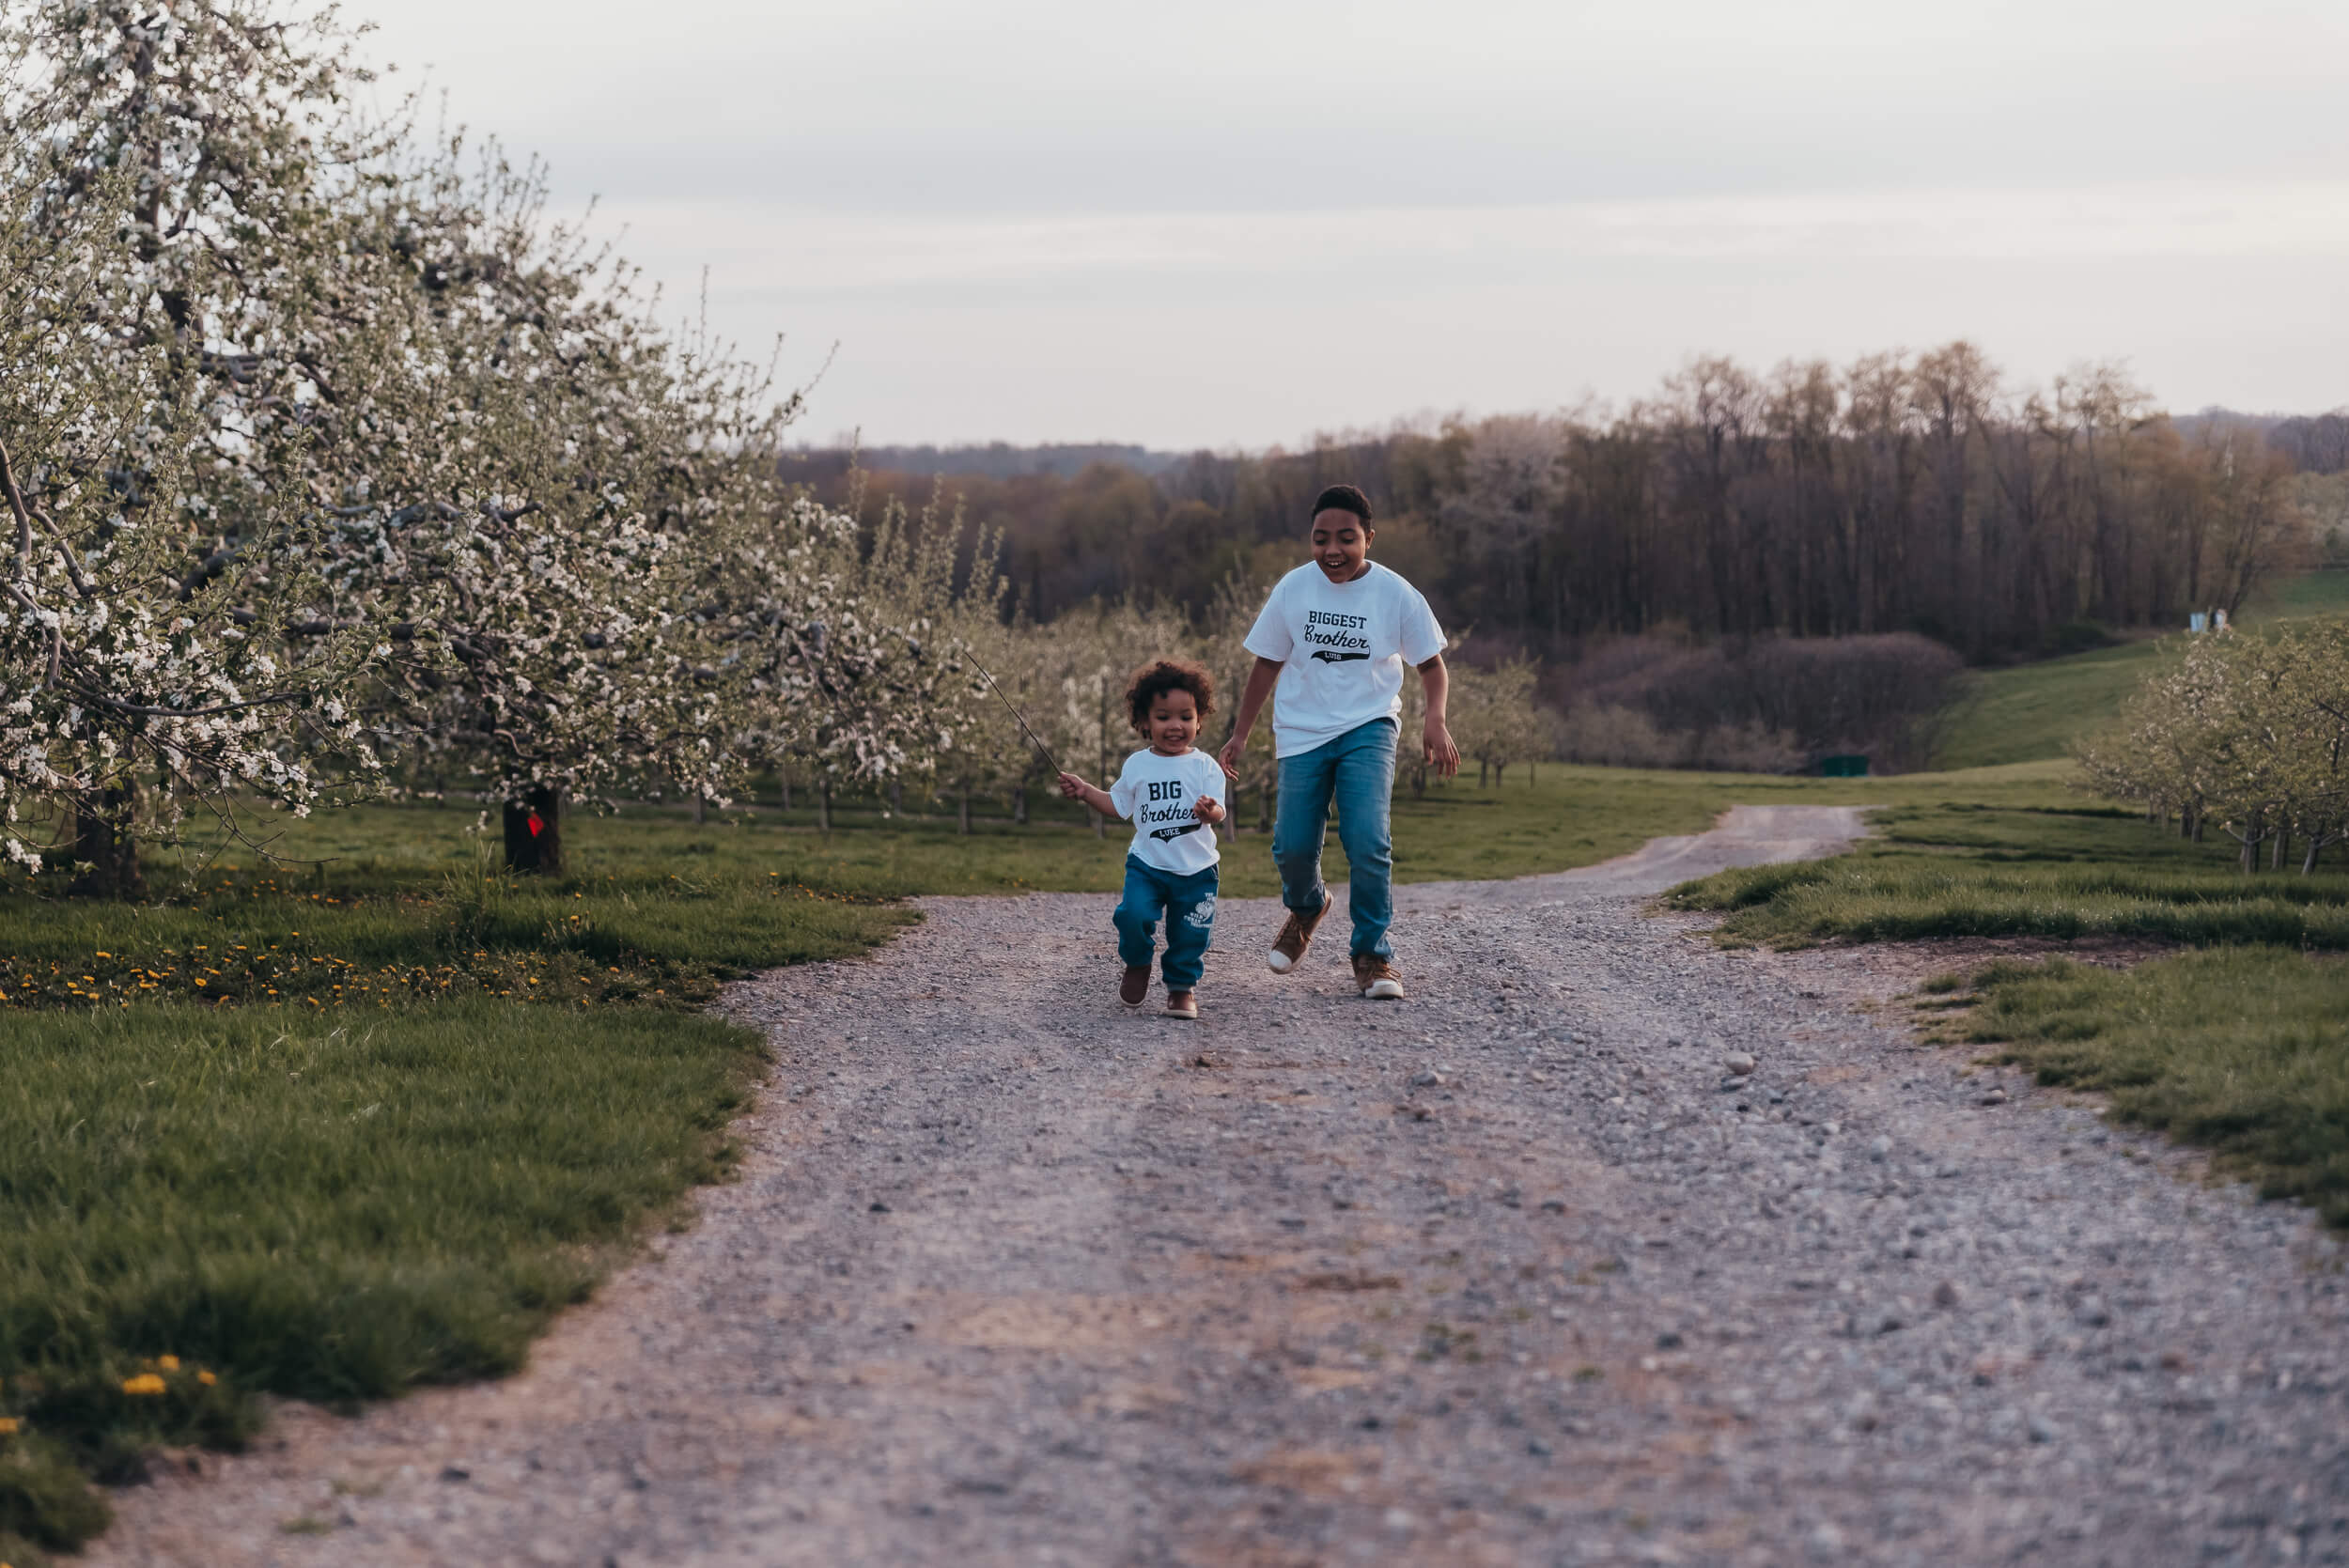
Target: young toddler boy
{"x": 1174, "y": 796}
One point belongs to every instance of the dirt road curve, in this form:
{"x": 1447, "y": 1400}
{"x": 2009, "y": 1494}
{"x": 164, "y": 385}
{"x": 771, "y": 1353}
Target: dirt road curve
{"x": 1501, "y": 1275}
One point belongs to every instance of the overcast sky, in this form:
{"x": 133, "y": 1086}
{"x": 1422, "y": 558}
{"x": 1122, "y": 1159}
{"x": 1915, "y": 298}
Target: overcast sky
{"x": 1238, "y": 224}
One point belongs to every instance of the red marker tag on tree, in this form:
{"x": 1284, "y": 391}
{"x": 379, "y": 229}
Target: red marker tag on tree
{"x": 537, "y": 825}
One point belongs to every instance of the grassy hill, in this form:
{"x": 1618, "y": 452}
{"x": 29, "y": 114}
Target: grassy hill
{"x": 2031, "y": 711}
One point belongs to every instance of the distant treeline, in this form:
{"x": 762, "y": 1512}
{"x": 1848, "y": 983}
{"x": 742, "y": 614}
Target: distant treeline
{"x": 1902, "y": 492}
{"x": 2318, "y": 445}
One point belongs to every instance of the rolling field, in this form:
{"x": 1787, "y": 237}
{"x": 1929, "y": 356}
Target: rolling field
{"x": 2031, "y": 711}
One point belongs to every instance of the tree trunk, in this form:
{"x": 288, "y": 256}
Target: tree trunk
{"x": 1501, "y": 774}
{"x": 962, "y": 812}
{"x": 108, "y": 842}
{"x": 896, "y": 797}
{"x": 2283, "y": 847}
{"x": 1019, "y": 805}
{"x": 1264, "y": 808}
{"x": 823, "y": 806}
{"x": 701, "y": 810}
{"x": 533, "y": 832}
{"x": 1484, "y": 773}
{"x": 1100, "y": 823}
{"x": 2308, "y": 863}
{"x": 784, "y": 779}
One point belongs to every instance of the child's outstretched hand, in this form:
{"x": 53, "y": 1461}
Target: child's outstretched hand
{"x": 1207, "y": 809}
{"x": 1072, "y": 788}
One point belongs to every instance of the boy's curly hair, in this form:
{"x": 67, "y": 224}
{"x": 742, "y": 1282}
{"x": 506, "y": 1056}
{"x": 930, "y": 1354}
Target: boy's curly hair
{"x": 1342, "y": 498}
{"x": 1168, "y": 675}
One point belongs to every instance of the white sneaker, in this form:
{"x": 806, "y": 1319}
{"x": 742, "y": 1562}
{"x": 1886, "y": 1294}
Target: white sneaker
{"x": 1377, "y": 979}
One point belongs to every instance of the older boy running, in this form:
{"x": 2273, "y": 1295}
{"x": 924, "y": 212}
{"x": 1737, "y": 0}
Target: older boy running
{"x": 1335, "y": 635}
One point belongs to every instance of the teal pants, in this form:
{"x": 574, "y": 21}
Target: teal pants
{"x": 1186, "y": 904}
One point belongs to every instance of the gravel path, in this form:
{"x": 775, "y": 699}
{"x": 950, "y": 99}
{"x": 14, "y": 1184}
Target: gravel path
{"x": 1506, "y": 1274}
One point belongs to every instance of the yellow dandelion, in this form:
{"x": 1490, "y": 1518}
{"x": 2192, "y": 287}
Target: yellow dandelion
{"x": 7, "y": 1426}
{"x": 170, "y": 1363}
{"x": 145, "y": 1383}
{"x": 206, "y": 1378}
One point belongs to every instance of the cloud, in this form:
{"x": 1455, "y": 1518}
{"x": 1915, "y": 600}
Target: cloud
{"x": 1054, "y": 106}
{"x": 749, "y": 244}
{"x": 1238, "y": 221}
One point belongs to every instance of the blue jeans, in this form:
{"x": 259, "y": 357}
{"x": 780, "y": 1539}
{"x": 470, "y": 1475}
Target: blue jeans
{"x": 1357, "y": 770}
{"x": 1187, "y": 904}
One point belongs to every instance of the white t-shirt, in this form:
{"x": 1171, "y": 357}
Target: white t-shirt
{"x": 1342, "y": 648}
{"x": 1155, "y": 793}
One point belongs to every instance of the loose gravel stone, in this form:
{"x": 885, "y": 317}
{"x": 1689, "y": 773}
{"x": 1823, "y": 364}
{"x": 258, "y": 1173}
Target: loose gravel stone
{"x": 1601, "y": 1315}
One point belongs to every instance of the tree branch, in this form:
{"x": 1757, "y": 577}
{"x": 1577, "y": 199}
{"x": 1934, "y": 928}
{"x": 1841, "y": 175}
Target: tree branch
{"x": 23, "y": 517}
{"x": 114, "y": 705}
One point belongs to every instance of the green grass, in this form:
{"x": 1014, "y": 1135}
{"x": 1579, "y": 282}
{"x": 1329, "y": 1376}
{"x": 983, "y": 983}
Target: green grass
{"x": 2309, "y": 593}
{"x": 327, "y": 1207}
{"x": 2032, "y": 712}
{"x": 2244, "y": 1051}
{"x": 335, "y": 1133}
{"x": 1564, "y": 817}
{"x": 1948, "y": 867}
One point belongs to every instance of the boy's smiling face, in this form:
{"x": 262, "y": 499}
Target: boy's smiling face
{"x": 1341, "y": 544}
{"x": 1173, "y": 721}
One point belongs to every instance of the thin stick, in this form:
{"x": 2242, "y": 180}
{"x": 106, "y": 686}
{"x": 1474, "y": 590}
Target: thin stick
{"x": 1043, "y": 751}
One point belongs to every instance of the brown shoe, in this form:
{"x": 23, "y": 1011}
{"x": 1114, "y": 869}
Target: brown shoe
{"x": 1377, "y": 977}
{"x": 1181, "y": 1005}
{"x": 1295, "y": 938}
{"x": 1134, "y": 985}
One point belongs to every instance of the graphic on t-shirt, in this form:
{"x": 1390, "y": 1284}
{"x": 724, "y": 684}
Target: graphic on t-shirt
{"x": 1337, "y": 638}
{"x": 1171, "y": 801}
